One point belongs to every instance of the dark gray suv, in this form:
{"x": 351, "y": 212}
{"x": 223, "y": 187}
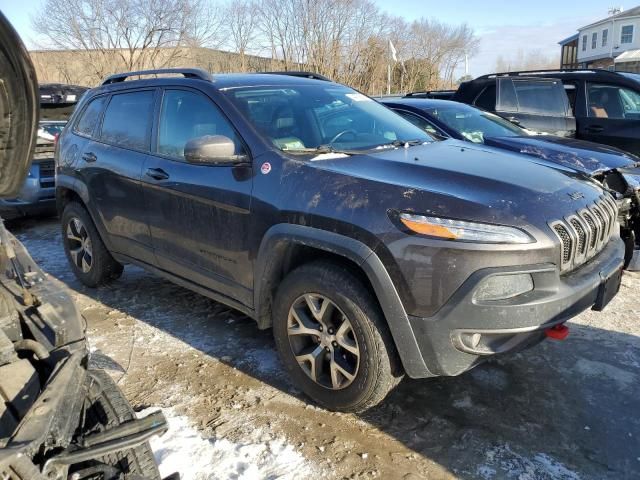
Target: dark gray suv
{"x": 371, "y": 250}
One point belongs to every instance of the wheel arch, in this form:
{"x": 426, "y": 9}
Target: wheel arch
{"x": 286, "y": 246}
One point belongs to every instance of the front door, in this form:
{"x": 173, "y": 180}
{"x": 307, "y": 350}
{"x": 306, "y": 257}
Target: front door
{"x": 612, "y": 117}
{"x": 199, "y": 214}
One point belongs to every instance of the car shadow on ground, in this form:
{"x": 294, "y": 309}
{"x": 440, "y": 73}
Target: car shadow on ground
{"x": 562, "y": 410}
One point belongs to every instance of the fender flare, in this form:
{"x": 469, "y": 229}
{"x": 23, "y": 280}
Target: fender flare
{"x": 279, "y": 237}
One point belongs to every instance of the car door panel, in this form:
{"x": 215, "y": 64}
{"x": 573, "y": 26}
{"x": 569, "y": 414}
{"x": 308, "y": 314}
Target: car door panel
{"x": 112, "y": 173}
{"x": 538, "y": 104}
{"x": 610, "y": 117}
{"x": 199, "y": 214}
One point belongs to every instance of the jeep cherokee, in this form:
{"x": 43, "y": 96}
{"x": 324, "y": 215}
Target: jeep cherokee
{"x": 371, "y": 250}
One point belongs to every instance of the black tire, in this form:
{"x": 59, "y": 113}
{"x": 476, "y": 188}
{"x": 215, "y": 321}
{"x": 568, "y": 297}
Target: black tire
{"x": 379, "y": 369}
{"x": 106, "y": 407}
{"x": 104, "y": 268}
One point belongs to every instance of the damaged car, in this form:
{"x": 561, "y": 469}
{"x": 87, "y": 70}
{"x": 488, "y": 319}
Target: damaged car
{"x": 37, "y": 193}
{"x": 617, "y": 171}
{"x": 59, "y": 417}
{"x": 372, "y": 251}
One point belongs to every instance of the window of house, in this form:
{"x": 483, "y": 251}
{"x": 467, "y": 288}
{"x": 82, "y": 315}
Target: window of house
{"x": 89, "y": 119}
{"x": 594, "y": 40}
{"x": 127, "y": 120}
{"x": 187, "y": 115}
{"x": 584, "y": 43}
{"x": 626, "y": 34}
{"x": 605, "y": 35}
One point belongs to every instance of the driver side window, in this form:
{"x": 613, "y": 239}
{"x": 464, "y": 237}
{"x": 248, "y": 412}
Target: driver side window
{"x": 188, "y": 115}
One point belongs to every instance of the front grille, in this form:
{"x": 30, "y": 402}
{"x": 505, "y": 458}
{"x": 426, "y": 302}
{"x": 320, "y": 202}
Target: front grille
{"x": 47, "y": 173}
{"x": 585, "y": 234}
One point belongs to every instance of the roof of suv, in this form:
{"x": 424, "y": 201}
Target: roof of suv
{"x": 221, "y": 81}
{"x": 599, "y": 74}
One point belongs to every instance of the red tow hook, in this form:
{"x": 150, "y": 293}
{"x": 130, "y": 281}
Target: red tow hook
{"x": 557, "y": 332}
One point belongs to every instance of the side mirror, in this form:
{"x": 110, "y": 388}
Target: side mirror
{"x": 212, "y": 150}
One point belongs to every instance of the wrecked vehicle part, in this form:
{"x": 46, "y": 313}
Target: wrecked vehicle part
{"x": 51, "y": 403}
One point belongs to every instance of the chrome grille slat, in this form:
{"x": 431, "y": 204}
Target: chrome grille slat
{"x": 584, "y": 234}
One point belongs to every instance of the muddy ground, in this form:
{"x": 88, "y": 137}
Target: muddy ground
{"x": 563, "y": 410}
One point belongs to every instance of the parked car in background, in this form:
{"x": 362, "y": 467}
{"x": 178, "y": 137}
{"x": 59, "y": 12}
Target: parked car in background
{"x": 60, "y": 418}
{"x": 600, "y": 106}
{"x": 370, "y": 249}
{"x": 37, "y": 195}
{"x": 614, "y": 169}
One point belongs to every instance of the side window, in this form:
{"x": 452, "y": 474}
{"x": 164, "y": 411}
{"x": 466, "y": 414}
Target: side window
{"x": 542, "y": 97}
{"x": 90, "y": 117}
{"x": 609, "y": 101}
{"x": 418, "y": 122}
{"x": 487, "y": 99}
{"x": 127, "y": 120}
{"x": 187, "y": 115}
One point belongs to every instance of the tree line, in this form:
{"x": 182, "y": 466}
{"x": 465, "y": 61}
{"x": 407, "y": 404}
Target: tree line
{"x": 346, "y": 40}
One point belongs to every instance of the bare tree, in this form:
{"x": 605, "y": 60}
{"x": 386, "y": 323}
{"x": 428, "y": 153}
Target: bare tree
{"x": 525, "y": 60}
{"x": 242, "y": 25}
{"x": 115, "y": 35}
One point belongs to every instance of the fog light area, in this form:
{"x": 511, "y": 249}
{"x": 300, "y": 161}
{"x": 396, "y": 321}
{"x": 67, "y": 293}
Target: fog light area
{"x": 501, "y": 287}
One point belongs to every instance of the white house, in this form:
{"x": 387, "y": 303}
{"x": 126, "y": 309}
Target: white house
{"x": 612, "y": 43}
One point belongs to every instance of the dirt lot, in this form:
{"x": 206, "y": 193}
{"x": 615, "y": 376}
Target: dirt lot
{"x": 563, "y": 410}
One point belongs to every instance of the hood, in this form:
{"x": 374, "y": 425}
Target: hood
{"x": 18, "y": 110}
{"x": 462, "y": 180}
{"x": 586, "y": 157}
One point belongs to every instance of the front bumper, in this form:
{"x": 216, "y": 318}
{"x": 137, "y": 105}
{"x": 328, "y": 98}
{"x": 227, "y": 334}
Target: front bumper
{"x": 444, "y": 339}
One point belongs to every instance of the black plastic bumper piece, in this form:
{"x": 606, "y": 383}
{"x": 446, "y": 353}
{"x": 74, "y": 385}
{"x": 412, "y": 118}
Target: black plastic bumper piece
{"x": 464, "y": 332}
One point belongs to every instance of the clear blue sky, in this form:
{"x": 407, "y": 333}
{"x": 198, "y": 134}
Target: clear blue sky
{"x": 503, "y": 27}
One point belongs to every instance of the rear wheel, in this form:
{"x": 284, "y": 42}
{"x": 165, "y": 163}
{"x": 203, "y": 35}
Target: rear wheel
{"x": 332, "y": 338}
{"x": 106, "y": 407}
{"x": 90, "y": 260}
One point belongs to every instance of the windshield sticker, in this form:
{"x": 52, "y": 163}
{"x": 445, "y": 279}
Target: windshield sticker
{"x": 358, "y": 97}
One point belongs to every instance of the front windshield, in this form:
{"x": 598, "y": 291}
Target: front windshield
{"x": 474, "y": 124}
{"x": 303, "y": 118}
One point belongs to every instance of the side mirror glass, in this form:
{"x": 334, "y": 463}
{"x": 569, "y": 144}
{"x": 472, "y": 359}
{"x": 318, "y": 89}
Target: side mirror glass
{"x": 212, "y": 150}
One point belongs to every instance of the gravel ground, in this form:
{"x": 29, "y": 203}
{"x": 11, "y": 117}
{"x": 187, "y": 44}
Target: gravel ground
{"x": 562, "y": 410}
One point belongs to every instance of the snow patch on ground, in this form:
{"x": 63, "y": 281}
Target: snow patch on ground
{"x": 516, "y": 466}
{"x": 592, "y": 368}
{"x": 182, "y": 449}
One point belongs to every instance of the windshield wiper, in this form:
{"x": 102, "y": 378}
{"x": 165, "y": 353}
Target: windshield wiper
{"x": 401, "y": 143}
{"x": 323, "y": 149}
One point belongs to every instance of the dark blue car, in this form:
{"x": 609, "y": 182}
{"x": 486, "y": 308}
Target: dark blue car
{"x": 615, "y": 169}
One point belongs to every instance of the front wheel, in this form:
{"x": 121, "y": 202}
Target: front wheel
{"x": 332, "y": 338}
{"x": 89, "y": 258}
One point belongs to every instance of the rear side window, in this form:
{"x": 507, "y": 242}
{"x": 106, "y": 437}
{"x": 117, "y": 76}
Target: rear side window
{"x": 187, "y": 115}
{"x": 90, "y": 117}
{"x": 127, "y": 120}
{"x": 543, "y": 97}
{"x": 487, "y": 99}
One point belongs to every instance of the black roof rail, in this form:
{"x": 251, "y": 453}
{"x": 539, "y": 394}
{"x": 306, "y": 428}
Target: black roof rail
{"x": 303, "y": 74}
{"x": 546, "y": 72}
{"x": 186, "y": 72}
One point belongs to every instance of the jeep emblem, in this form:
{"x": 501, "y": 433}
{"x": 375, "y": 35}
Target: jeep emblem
{"x": 576, "y": 195}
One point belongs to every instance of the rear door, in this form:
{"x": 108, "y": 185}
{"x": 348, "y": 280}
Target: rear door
{"x": 111, "y": 169}
{"x": 199, "y": 214}
{"x": 612, "y": 116}
{"x": 539, "y": 104}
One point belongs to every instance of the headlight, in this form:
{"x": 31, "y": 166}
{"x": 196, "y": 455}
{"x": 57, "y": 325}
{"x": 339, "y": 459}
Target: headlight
{"x": 501, "y": 287}
{"x": 466, "y": 231}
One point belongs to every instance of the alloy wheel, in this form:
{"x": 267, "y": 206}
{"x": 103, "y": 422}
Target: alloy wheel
{"x": 79, "y": 245}
{"x": 323, "y": 342}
